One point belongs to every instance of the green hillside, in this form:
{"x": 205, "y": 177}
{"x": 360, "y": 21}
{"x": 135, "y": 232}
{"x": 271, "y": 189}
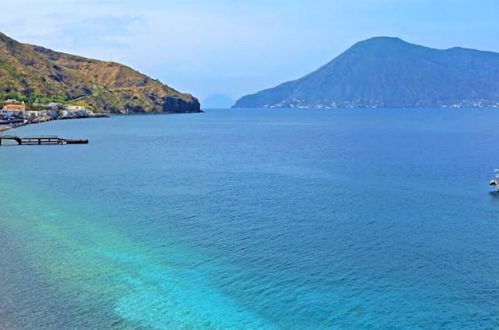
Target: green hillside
{"x": 36, "y": 73}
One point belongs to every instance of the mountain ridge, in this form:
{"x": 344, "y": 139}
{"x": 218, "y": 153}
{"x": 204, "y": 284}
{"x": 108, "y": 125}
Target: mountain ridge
{"x": 35, "y": 71}
{"x": 390, "y": 72}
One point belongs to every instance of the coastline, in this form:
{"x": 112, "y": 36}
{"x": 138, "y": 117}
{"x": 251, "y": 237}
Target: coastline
{"x": 5, "y": 128}
{"x": 8, "y": 127}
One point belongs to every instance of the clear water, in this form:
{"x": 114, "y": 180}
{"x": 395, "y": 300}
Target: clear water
{"x": 254, "y": 219}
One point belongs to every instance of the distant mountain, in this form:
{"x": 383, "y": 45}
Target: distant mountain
{"x": 217, "y": 101}
{"x": 389, "y": 72}
{"x": 36, "y": 72}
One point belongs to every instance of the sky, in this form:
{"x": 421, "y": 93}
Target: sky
{"x": 223, "y": 49}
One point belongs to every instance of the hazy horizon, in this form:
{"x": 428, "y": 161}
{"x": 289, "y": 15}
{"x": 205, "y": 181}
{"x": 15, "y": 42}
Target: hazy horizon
{"x": 228, "y": 48}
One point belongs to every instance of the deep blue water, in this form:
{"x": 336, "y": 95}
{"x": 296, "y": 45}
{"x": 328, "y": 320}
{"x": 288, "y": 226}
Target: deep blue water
{"x": 288, "y": 219}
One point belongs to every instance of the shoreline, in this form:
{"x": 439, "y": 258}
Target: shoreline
{"x": 8, "y": 127}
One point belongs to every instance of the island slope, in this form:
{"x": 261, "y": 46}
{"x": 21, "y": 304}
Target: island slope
{"x": 389, "y": 72}
{"x": 106, "y": 86}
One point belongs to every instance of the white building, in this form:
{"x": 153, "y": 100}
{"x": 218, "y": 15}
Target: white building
{"x": 12, "y": 101}
{"x": 75, "y": 108}
{"x": 37, "y": 113}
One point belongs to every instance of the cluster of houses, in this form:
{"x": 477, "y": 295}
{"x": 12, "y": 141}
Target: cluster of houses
{"x": 16, "y": 112}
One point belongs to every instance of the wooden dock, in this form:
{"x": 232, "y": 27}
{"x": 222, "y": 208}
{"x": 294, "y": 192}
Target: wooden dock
{"x": 39, "y": 140}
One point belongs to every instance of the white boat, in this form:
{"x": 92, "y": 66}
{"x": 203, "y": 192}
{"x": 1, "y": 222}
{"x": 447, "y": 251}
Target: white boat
{"x": 495, "y": 182}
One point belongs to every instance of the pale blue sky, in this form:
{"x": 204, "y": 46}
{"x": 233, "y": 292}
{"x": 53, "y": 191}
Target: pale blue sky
{"x": 235, "y": 47}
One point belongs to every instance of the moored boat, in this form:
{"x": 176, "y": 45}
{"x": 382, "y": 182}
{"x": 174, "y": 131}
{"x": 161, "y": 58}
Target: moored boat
{"x": 495, "y": 182}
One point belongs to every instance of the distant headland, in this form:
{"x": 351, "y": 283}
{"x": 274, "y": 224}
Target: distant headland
{"x": 37, "y": 75}
{"x": 385, "y": 72}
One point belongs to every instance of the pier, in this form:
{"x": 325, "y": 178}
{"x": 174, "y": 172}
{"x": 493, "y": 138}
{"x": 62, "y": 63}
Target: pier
{"x": 40, "y": 140}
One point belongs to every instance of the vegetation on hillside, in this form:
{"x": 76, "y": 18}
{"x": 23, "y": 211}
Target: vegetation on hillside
{"x": 30, "y": 73}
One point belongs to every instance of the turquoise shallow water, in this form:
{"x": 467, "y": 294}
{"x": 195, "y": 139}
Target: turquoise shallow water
{"x": 254, "y": 219}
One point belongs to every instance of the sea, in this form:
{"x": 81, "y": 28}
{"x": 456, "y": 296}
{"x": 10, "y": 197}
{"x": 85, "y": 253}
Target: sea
{"x": 254, "y": 219}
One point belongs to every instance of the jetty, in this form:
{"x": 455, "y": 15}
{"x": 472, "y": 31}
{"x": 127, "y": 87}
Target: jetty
{"x": 39, "y": 140}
